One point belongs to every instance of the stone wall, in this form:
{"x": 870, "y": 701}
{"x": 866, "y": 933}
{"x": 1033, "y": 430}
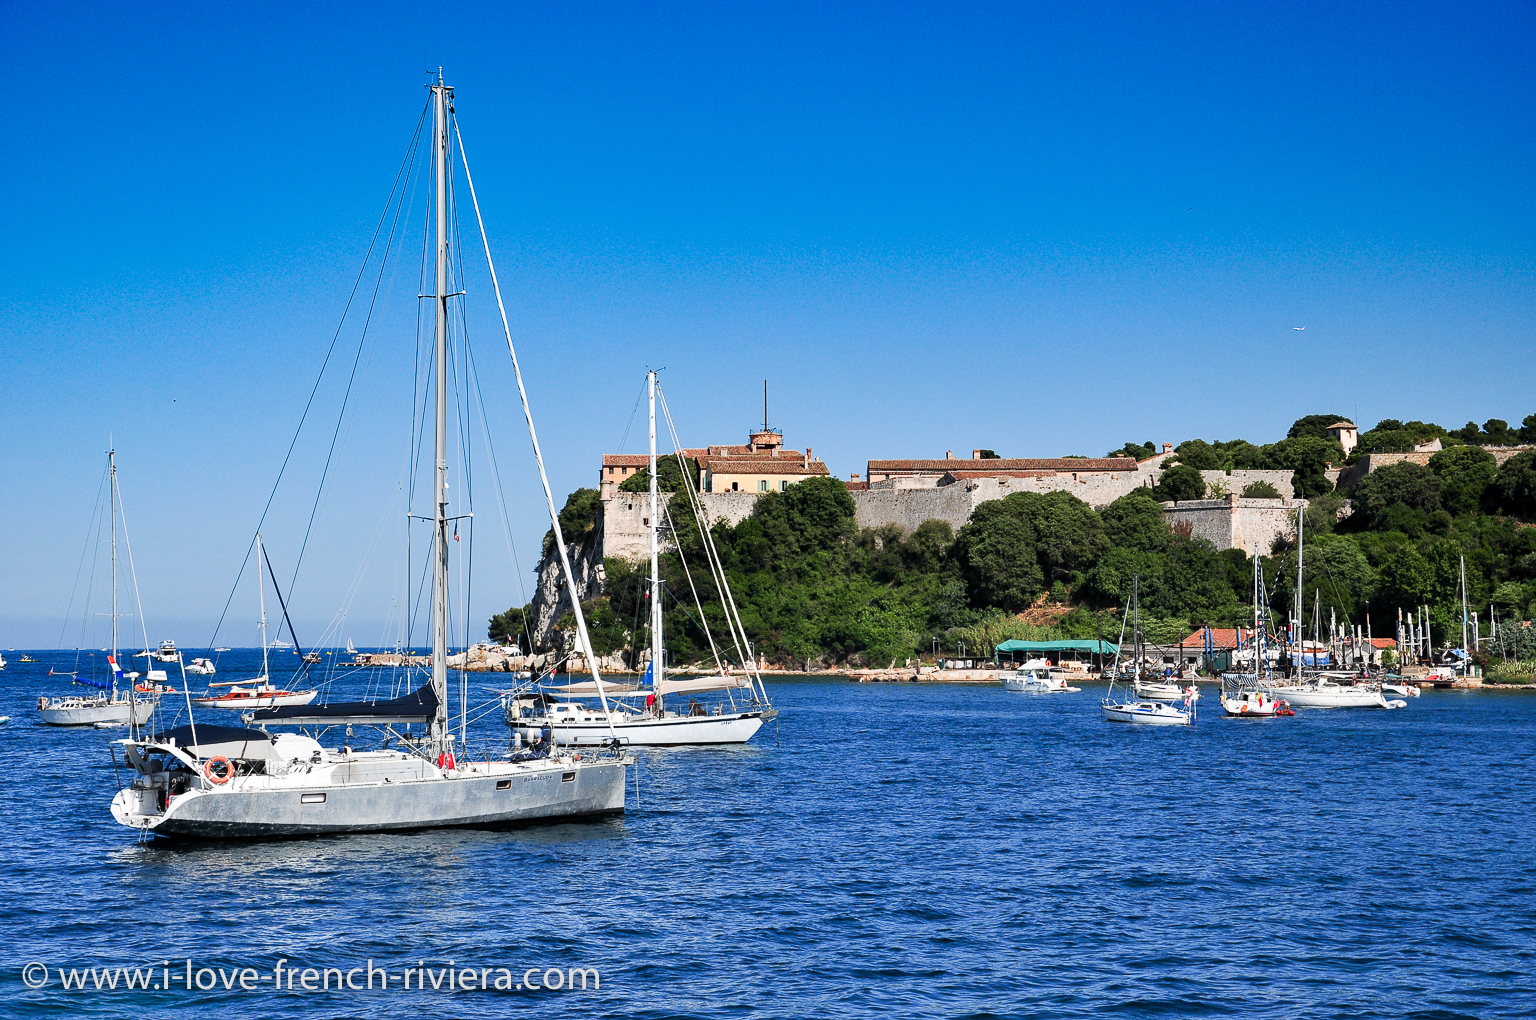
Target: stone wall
{"x": 1237, "y": 481}
{"x": 911, "y": 507}
{"x": 626, "y": 519}
{"x": 1251, "y": 525}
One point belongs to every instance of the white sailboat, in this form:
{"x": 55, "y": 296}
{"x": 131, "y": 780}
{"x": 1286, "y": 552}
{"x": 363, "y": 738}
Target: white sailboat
{"x": 651, "y": 723}
{"x": 260, "y": 692}
{"x": 109, "y": 706}
{"x": 1320, "y": 690}
{"x": 1141, "y": 711}
{"x": 230, "y": 782}
{"x": 1242, "y": 695}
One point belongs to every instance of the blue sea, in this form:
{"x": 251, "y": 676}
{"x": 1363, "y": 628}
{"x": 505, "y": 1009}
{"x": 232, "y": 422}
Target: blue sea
{"x": 887, "y": 849}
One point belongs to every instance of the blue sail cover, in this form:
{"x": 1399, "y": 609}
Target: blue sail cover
{"x": 100, "y": 685}
{"x": 417, "y": 707}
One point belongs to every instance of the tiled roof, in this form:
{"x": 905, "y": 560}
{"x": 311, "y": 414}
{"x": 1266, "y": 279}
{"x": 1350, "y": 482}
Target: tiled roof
{"x": 626, "y": 460}
{"x": 1004, "y": 465}
{"x": 1341, "y": 425}
{"x": 963, "y": 475}
{"x": 1383, "y": 642}
{"x": 764, "y": 466}
{"x": 1222, "y": 637}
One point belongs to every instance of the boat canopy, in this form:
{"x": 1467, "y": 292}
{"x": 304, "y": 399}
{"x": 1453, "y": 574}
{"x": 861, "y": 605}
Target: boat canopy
{"x": 1092, "y": 647}
{"x": 230, "y": 741}
{"x": 417, "y": 707}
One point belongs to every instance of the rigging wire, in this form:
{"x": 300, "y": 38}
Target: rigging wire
{"x": 298, "y": 430}
{"x": 69, "y": 609}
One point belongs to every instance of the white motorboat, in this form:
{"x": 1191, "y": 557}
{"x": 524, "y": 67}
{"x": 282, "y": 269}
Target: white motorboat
{"x": 1402, "y": 690}
{"x": 1037, "y": 677}
{"x": 1251, "y": 704}
{"x": 1164, "y": 690}
{"x": 1141, "y": 711}
{"x": 202, "y": 667}
{"x": 2, "y": 660}
{"x": 653, "y": 723}
{"x": 167, "y": 652}
{"x": 223, "y": 782}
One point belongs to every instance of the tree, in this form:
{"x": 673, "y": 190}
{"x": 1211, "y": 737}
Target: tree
{"x": 1199, "y": 454}
{"x": 987, "y": 455}
{"x": 1466, "y": 472}
{"x": 577, "y": 519}
{"x": 1140, "y": 451}
{"x": 1069, "y": 536}
{"x": 1528, "y": 429}
{"x": 1180, "y": 482}
{"x": 669, "y": 472}
{"x": 816, "y": 514}
{"x": 1405, "y": 579}
{"x": 1514, "y": 486}
{"x": 1260, "y": 490}
{"x": 510, "y": 627}
{"x": 1314, "y": 426}
{"x": 997, "y": 557}
{"x": 1407, "y": 485}
{"x": 1136, "y": 521}
{"x": 1308, "y": 458}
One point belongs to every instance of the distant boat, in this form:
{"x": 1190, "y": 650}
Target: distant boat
{"x": 1034, "y": 677}
{"x": 167, "y": 652}
{"x": 202, "y": 667}
{"x": 2, "y": 661}
{"x": 1140, "y": 711}
{"x": 26, "y": 658}
{"x": 221, "y": 649}
{"x": 279, "y": 643}
{"x": 350, "y": 649}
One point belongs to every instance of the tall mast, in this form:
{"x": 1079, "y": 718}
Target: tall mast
{"x": 112, "y": 472}
{"x": 1301, "y": 547}
{"x": 658, "y": 666}
{"x": 261, "y": 588}
{"x": 440, "y": 94}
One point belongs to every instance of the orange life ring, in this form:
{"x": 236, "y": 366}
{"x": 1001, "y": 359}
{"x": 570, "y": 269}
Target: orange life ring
{"x": 228, "y": 771}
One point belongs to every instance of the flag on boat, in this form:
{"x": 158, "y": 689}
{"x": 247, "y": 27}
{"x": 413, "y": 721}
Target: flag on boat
{"x": 649, "y": 680}
{"x": 117, "y": 671}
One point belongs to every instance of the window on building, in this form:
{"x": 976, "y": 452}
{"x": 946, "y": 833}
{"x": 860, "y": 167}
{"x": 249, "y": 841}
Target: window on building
{"x": 783, "y": 485}
{"x": 734, "y": 486}
{"x": 762, "y": 485}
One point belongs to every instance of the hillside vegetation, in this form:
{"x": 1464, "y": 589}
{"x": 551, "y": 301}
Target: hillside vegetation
{"x": 812, "y": 586}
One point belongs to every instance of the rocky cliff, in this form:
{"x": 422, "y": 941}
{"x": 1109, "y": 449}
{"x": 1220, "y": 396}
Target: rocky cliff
{"x": 551, "y": 601}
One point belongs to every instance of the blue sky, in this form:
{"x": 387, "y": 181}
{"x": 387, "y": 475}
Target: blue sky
{"x": 1043, "y": 229}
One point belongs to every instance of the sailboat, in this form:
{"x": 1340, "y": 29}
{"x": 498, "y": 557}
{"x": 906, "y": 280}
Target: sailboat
{"x": 1141, "y": 711}
{"x": 1320, "y": 690}
{"x": 1242, "y": 695}
{"x": 231, "y": 782}
{"x": 651, "y": 723}
{"x": 260, "y": 692}
{"x": 109, "y": 707}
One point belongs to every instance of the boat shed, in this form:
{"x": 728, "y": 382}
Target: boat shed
{"x": 1056, "y": 651}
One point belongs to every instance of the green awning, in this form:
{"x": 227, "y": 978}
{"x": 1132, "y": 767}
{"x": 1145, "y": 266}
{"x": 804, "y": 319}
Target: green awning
{"x": 1092, "y": 647}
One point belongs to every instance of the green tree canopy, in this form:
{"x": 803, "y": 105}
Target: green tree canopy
{"x": 1069, "y": 536}
{"x": 669, "y": 475}
{"x": 997, "y": 556}
{"x": 1406, "y": 485}
{"x": 1514, "y": 486}
{"x": 1314, "y": 426}
{"x": 1180, "y": 482}
{"x": 1141, "y": 451}
{"x": 1466, "y": 472}
{"x": 1260, "y": 490}
{"x": 509, "y": 627}
{"x": 1135, "y": 521}
{"x": 1200, "y": 455}
{"x": 577, "y": 519}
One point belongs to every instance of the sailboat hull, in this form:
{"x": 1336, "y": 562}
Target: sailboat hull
{"x": 1329, "y": 697}
{"x": 671, "y": 731}
{"x": 110, "y": 713}
{"x": 486, "y": 795}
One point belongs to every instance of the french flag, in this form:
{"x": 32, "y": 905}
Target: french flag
{"x": 117, "y": 672}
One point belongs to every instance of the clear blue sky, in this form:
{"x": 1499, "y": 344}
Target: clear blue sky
{"x": 1043, "y": 229}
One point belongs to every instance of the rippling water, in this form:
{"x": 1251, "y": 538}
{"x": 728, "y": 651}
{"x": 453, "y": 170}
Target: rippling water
{"x": 935, "y": 850}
